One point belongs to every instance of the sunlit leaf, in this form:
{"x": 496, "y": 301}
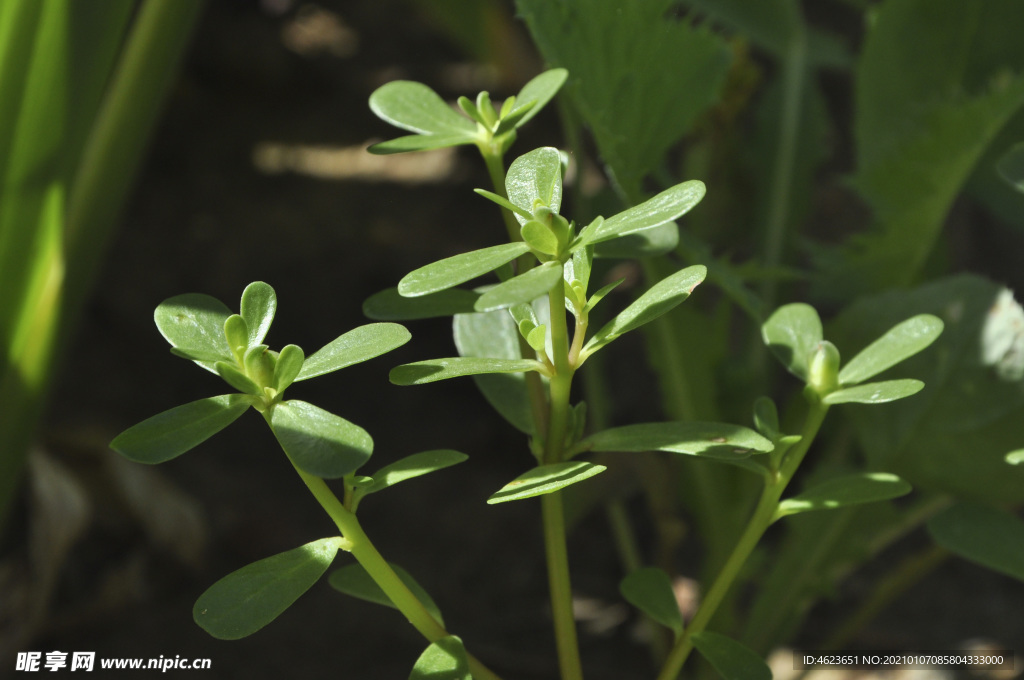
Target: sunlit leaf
{"x": 901, "y": 341}
{"x": 259, "y": 304}
{"x": 545, "y": 479}
{"x": 650, "y": 590}
{"x": 432, "y": 370}
{"x": 415, "y": 107}
{"x": 354, "y": 581}
{"x": 876, "y": 392}
{"x": 420, "y": 143}
{"x": 458, "y": 269}
{"x": 535, "y": 176}
{"x": 414, "y": 466}
{"x": 523, "y": 288}
{"x": 172, "y": 433}
{"x": 319, "y": 442}
{"x": 289, "y": 365}
{"x": 866, "y": 487}
{"x": 233, "y": 376}
{"x": 358, "y": 345}
{"x": 444, "y": 659}
{"x": 732, "y": 660}
{"x": 539, "y": 91}
{"x": 666, "y": 207}
{"x": 715, "y": 440}
{"x": 990, "y": 537}
{"x": 792, "y": 333}
{"x": 246, "y": 600}
{"x": 195, "y": 322}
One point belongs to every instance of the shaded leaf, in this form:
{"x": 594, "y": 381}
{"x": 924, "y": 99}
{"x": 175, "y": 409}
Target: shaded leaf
{"x": 766, "y": 417}
{"x": 732, "y": 660}
{"x": 358, "y": 345}
{"x": 876, "y": 392}
{"x": 647, "y": 243}
{"x": 865, "y": 487}
{"x": 259, "y": 304}
{"x": 523, "y": 288}
{"x": 319, "y": 442}
{"x": 666, "y": 207}
{"x": 233, "y": 376}
{"x": 414, "y": 466}
{"x": 902, "y": 341}
{"x": 545, "y": 479}
{"x": 650, "y": 590}
{"x": 432, "y": 370}
{"x": 195, "y": 323}
{"x": 792, "y": 333}
{"x": 1011, "y": 166}
{"x": 417, "y": 108}
{"x": 420, "y": 143}
{"x": 354, "y": 581}
{"x": 289, "y": 365}
{"x": 390, "y": 305}
{"x": 659, "y": 299}
{"x": 444, "y": 659}
{"x": 716, "y": 440}
{"x": 458, "y": 269}
{"x": 172, "y": 433}
{"x": 246, "y": 600}
{"x": 535, "y": 176}
{"x": 990, "y": 537}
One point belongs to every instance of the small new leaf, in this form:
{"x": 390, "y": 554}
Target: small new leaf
{"x": 535, "y": 177}
{"x": 792, "y": 334}
{"x": 545, "y": 479}
{"x": 172, "y": 433}
{"x": 985, "y": 535}
{"x": 234, "y": 377}
{"x": 259, "y": 304}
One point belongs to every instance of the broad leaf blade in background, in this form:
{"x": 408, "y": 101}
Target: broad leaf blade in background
{"x": 172, "y": 433}
{"x": 732, "y": 660}
{"x": 982, "y": 534}
{"x": 246, "y": 600}
{"x": 258, "y": 306}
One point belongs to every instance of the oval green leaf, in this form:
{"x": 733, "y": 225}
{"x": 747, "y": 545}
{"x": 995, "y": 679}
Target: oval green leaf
{"x": 390, "y": 305}
{"x": 535, "y": 176}
{"x": 195, "y": 322}
{"x": 667, "y": 206}
{"x": 766, "y": 417}
{"x": 538, "y": 92}
{"x": 458, "y": 269}
{"x": 523, "y": 288}
{"x": 358, "y": 345}
{"x": 414, "y": 466}
{"x": 876, "y": 392}
{"x": 732, "y": 660}
{"x": 722, "y": 441}
{"x": 445, "y": 659}
{"x": 246, "y": 600}
{"x": 236, "y": 332}
{"x": 545, "y": 479}
{"x": 259, "y": 304}
{"x": 650, "y": 590}
{"x": 792, "y": 333}
{"x": 420, "y": 143}
{"x": 866, "y": 487}
{"x": 902, "y": 341}
{"x": 647, "y": 243}
{"x": 288, "y": 366}
{"x": 987, "y": 536}
{"x": 169, "y": 434}
{"x": 354, "y": 581}
{"x": 432, "y": 370}
{"x": 319, "y": 442}
{"x": 1015, "y": 457}
{"x": 417, "y": 108}
{"x": 233, "y": 376}
{"x": 661, "y": 298}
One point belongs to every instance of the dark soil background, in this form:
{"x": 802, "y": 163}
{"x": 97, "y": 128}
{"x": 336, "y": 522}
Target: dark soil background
{"x": 216, "y": 208}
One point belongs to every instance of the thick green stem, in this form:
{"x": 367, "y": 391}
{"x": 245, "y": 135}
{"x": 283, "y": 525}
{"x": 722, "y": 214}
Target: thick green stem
{"x": 764, "y": 515}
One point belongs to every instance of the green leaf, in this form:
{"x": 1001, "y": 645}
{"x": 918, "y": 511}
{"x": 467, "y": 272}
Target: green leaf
{"x": 494, "y": 334}
{"x": 540, "y": 237}
{"x": 721, "y": 441}
{"x": 766, "y": 417}
{"x": 318, "y": 442}
{"x": 650, "y": 590}
{"x": 539, "y": 91}
{"x": 732, "y": 660}
{"x": 390, "y": 305}
{"x": 432, "y": 370}
{"x": 414, "y": 466}
{"x": 195, "y": 322}
{"x": 444, "y": 659}
{"x": 289, "y": 365}
{"x": 792, "y": 333}
{"x": 647, "y": 243}
{"x": 659, "y": 299}
{"x": 236, "y": 332}
{"x": 246, "y": 600}
{"x": 545, "y": 479}
{"x": 1015, "y": 457}
{"x": 535, "y": 177}
{"x": 259, "y": 304}
{"x": 417, "y": 108}
{"x": 234, "y": 377}
{"x": 1011, "y": 166}
{"x": 865, "y": 487}
{"x": 902, "y": 341}
{"x": 876, "y": 392}
{"x": 523, "y": 288}
{"x": 988, "y": 536}
{"x": 458, "y": 269}
{"x": 666, "y": 207}
{"x": 354, "y": 581}
{"x": 172, "y": 433}
{"x": 504, "y": 203}
{"x": 358, "y": 345}
{"x": 420, "y": 143}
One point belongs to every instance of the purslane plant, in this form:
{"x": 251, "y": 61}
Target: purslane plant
{"x": 320, "y": 446}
